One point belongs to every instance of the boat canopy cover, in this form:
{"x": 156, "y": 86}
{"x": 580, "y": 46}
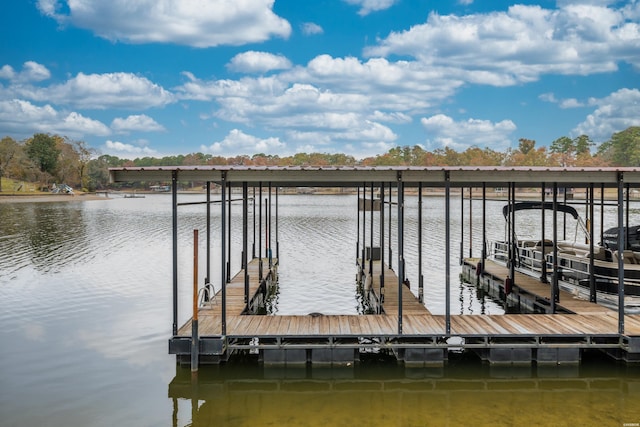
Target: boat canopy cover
{"x": 520, "y": 206}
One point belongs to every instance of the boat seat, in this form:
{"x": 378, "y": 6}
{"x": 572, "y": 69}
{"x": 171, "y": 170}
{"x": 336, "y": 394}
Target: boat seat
{"x": 628, "y": 256}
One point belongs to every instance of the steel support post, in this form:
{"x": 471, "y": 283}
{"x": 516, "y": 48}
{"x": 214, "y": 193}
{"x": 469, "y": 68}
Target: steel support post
{"x": 381, "y": 245}
{"x": 208, "y": 278}
{"x": 223, "y": 247}
{"x": 447, "y": 238}
{"x": 401, "y": 265}
{"x": 592, "y": 277}
{"x": 245, "y": 238}
{"x": 420, "y": 276}
{"x": 174, "y": 209}
{"x": 554, "y": 282}
{"x": 621, "y": 241}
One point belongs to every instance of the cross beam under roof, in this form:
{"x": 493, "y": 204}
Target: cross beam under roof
{"x": 435, "y": 176}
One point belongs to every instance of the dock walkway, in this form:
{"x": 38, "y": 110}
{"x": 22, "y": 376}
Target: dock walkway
{"x": 423, "y": 336}
{"x": 527, "y": 287}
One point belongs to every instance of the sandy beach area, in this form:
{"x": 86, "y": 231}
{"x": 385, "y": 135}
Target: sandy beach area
{"x": 44, "y": 198}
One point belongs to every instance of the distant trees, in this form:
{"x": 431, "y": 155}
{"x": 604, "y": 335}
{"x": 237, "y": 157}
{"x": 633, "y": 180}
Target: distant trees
{"x": 623, "y": 149}
{"x": 8, "y": 150}
{"x": 42, "y": 151}
{"x": 46, "y": 157}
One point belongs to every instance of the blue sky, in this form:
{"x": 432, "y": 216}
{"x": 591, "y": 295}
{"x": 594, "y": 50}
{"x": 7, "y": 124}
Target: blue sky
{"x": 138, "y": 78}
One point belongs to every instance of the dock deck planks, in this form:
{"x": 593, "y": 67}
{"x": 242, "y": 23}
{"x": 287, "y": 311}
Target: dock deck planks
{"x": 589, "y": 320}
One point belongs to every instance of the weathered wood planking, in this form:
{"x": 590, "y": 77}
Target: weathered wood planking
{"x": 532, "y": 286}
{"x": 525, "y": 325}
{"x": 417, "y": 321}
{"x": 410, "y": 304}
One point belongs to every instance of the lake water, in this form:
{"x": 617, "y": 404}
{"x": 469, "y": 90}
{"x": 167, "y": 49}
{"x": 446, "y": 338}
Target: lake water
{"x": 85, "y": 315}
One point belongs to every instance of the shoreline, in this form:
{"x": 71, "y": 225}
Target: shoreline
{"x": 49, "y": 198}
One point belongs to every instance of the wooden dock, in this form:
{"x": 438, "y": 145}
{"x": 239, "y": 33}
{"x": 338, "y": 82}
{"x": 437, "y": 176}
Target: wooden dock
{"x": 536, "y": 294}
{"x": 509, "y": 338}
{"x": 402, "y": 325}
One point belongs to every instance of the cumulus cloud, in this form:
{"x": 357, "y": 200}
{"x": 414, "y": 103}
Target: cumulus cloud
{"x": 117, "y": 147}
{"x": 141, "y": 123}
{"x": 99, "y": 91}
{"x": 310, "y": 28}
{"x": 22, "y": 117}
{"x": 31, "y": 72}
{"x": 198, "y": 23}
{"x": 562, "y": 103}
{"x": 368, "y": 6}
{"x": 519, "y": 45}
{"x": 444, "y": 131}
{"x": 258, "y": 62}
{"x": 239, "y": 142}
{"x": 614, "y": 113}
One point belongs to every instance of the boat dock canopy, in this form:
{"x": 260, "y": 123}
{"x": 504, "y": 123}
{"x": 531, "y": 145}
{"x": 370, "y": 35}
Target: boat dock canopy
{"x": 349, "y": 176}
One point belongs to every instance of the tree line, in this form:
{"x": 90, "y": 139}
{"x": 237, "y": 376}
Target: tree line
{"x": 49, "y": 159}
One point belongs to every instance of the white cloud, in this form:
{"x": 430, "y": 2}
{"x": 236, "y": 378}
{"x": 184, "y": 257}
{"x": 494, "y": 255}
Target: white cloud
{"x": 562, "y": 103}
{"x": 506, "y": 48}
{"x": 393, "y": 117}
{"x": 100, "y": 91}
{"x": 571, "y": 103}
{"x": 615, "y": 113}
{"x": 444, "y": 131}
{"x": 258, "y": 62}
{"x": 198, "y": 23}
{"x": 31, "y": 72}
{"x": 311, "y": 28}
{"x": 117, "y": 147}
{"x": 21, "y": 117}
{"x": 239, "y": 142}
{"x": 141, "y": 123}
{"x": 368, "y": 6}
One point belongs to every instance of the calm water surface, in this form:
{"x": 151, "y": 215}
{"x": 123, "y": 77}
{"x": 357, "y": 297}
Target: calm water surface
{"x": 85, "y": 314}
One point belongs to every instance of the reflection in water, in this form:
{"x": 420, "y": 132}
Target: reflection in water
{"x": 86, "y": 311}
{"x": 464, "y": 393}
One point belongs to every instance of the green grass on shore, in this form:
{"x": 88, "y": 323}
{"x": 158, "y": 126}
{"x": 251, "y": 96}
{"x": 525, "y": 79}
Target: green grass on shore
{"x": 12, "y": 186}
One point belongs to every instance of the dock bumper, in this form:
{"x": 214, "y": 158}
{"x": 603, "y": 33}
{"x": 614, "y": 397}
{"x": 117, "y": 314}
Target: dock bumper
{"x": 211, "y": 349}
